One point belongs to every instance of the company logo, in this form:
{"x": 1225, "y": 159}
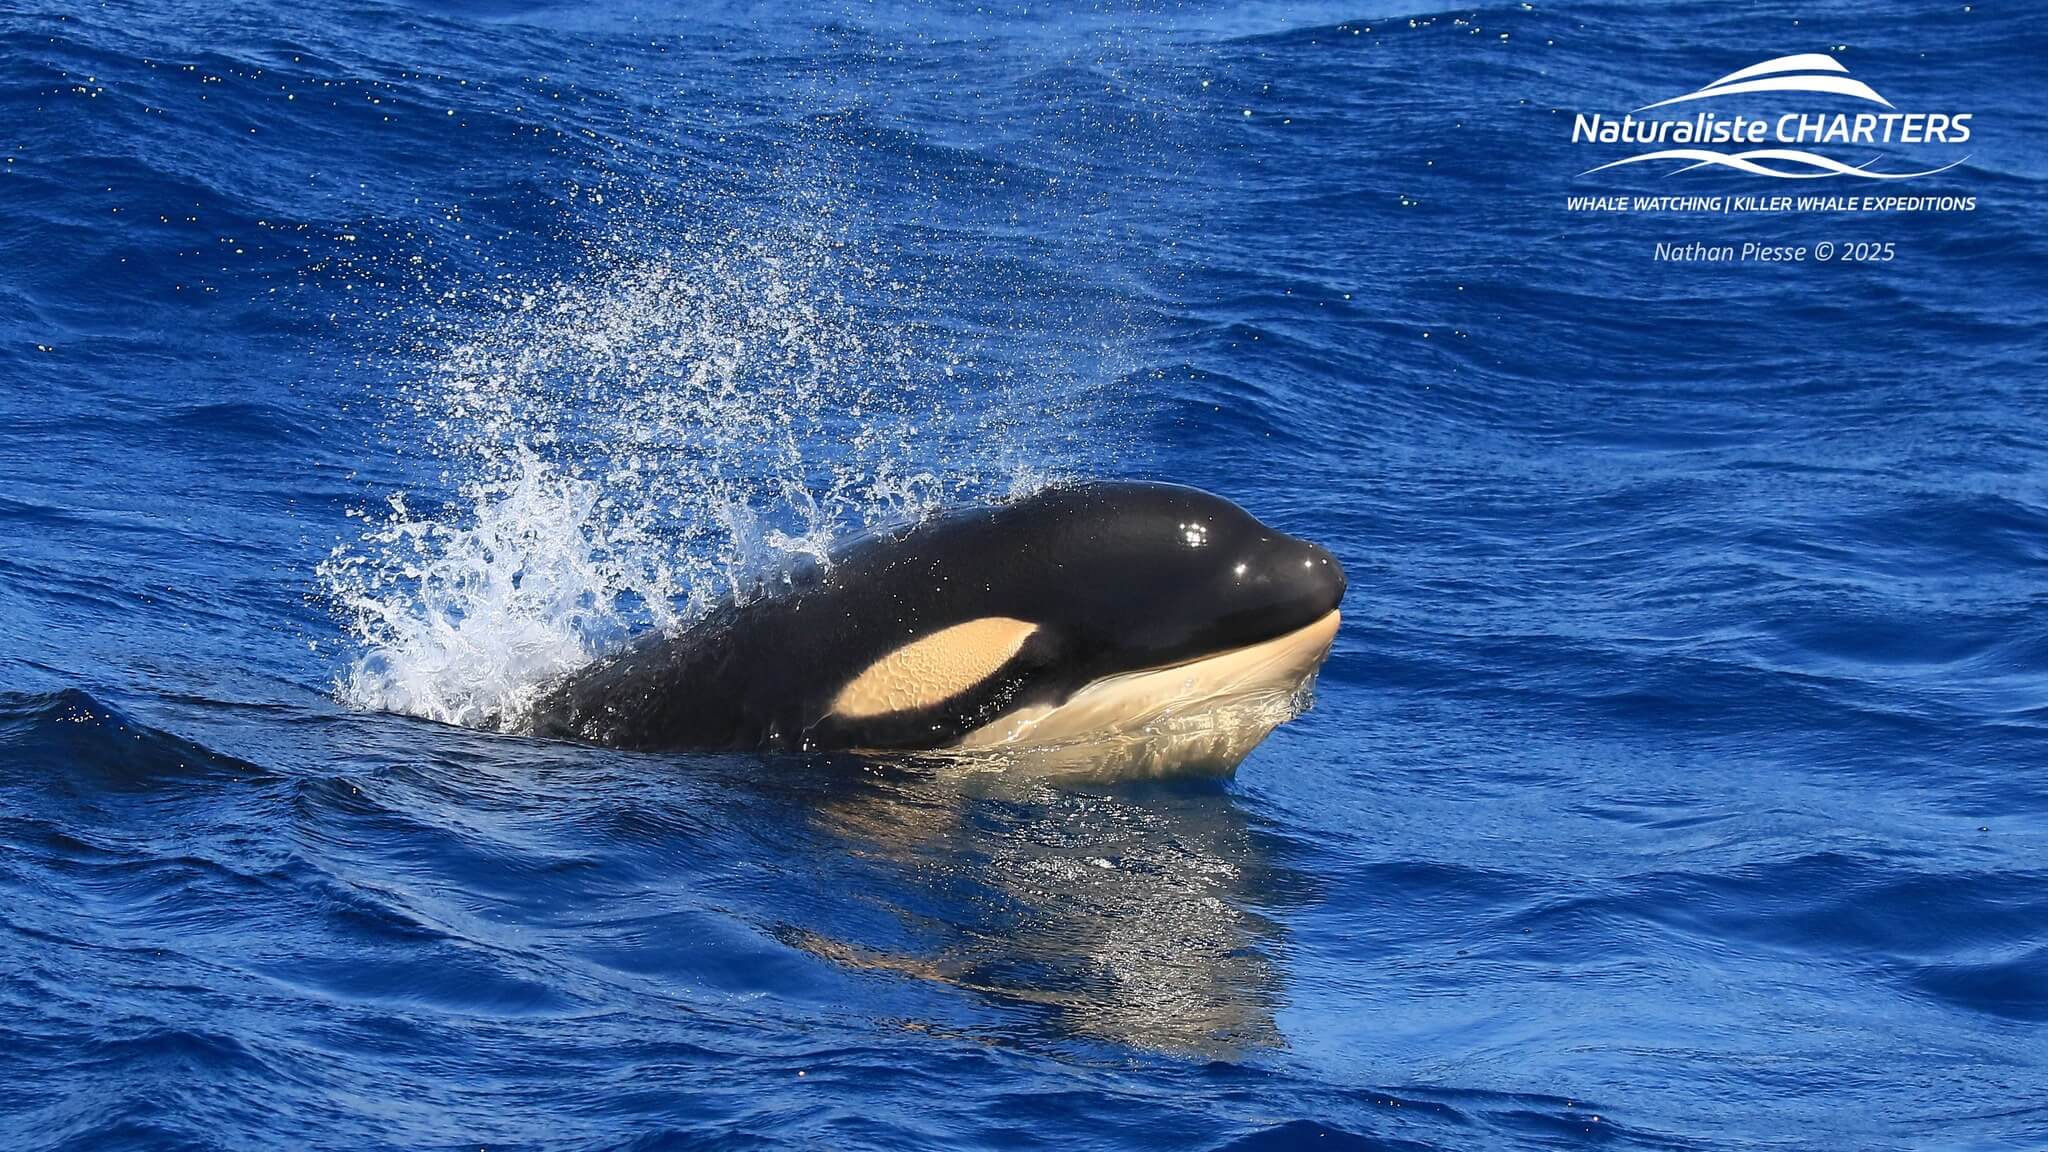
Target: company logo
{"x": 1786, "y": 138}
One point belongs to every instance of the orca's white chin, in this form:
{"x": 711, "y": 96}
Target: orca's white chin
{"x": 1201, "y": 715}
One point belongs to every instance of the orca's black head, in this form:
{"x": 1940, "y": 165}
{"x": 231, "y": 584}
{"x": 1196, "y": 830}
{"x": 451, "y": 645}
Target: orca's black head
{"x": 1150, "y": 575}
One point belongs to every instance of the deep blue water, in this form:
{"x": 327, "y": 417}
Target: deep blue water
{"x": 1679, "y": 779}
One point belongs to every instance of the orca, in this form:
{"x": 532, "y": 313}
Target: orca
{"x": 1109, "y": 622}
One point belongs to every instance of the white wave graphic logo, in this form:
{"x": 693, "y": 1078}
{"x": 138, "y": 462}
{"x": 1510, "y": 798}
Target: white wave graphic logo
{"x": 1775, "y": 144}
{"x": 1824, "y": 166}
{"x": 1769, "y": 76}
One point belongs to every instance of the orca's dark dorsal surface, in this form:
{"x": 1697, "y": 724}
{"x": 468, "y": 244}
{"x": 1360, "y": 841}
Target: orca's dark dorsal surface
{"x": 917, "y": 638}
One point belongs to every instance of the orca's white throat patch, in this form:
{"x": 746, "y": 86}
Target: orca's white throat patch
{"x": 1209, "y": 712}
{"x": 933, "y": 669}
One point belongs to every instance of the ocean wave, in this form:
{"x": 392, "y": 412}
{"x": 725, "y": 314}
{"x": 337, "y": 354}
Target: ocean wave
{"x": 68, "y": 734}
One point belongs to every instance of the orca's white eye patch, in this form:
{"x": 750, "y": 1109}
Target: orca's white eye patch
{"x": 934, "y": 668}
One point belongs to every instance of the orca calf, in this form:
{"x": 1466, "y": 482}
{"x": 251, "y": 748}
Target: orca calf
{"x": 1129, "y": 624}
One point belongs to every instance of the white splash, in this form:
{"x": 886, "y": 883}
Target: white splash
{"x": 463, "y": 619}
{"x": 633, "y": 443}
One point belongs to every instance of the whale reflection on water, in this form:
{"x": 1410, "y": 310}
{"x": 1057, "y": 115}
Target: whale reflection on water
{"x": 1126, "y": 913}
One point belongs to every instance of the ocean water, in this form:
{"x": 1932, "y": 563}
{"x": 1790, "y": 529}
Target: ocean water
{"x": 1679, "y": 779}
